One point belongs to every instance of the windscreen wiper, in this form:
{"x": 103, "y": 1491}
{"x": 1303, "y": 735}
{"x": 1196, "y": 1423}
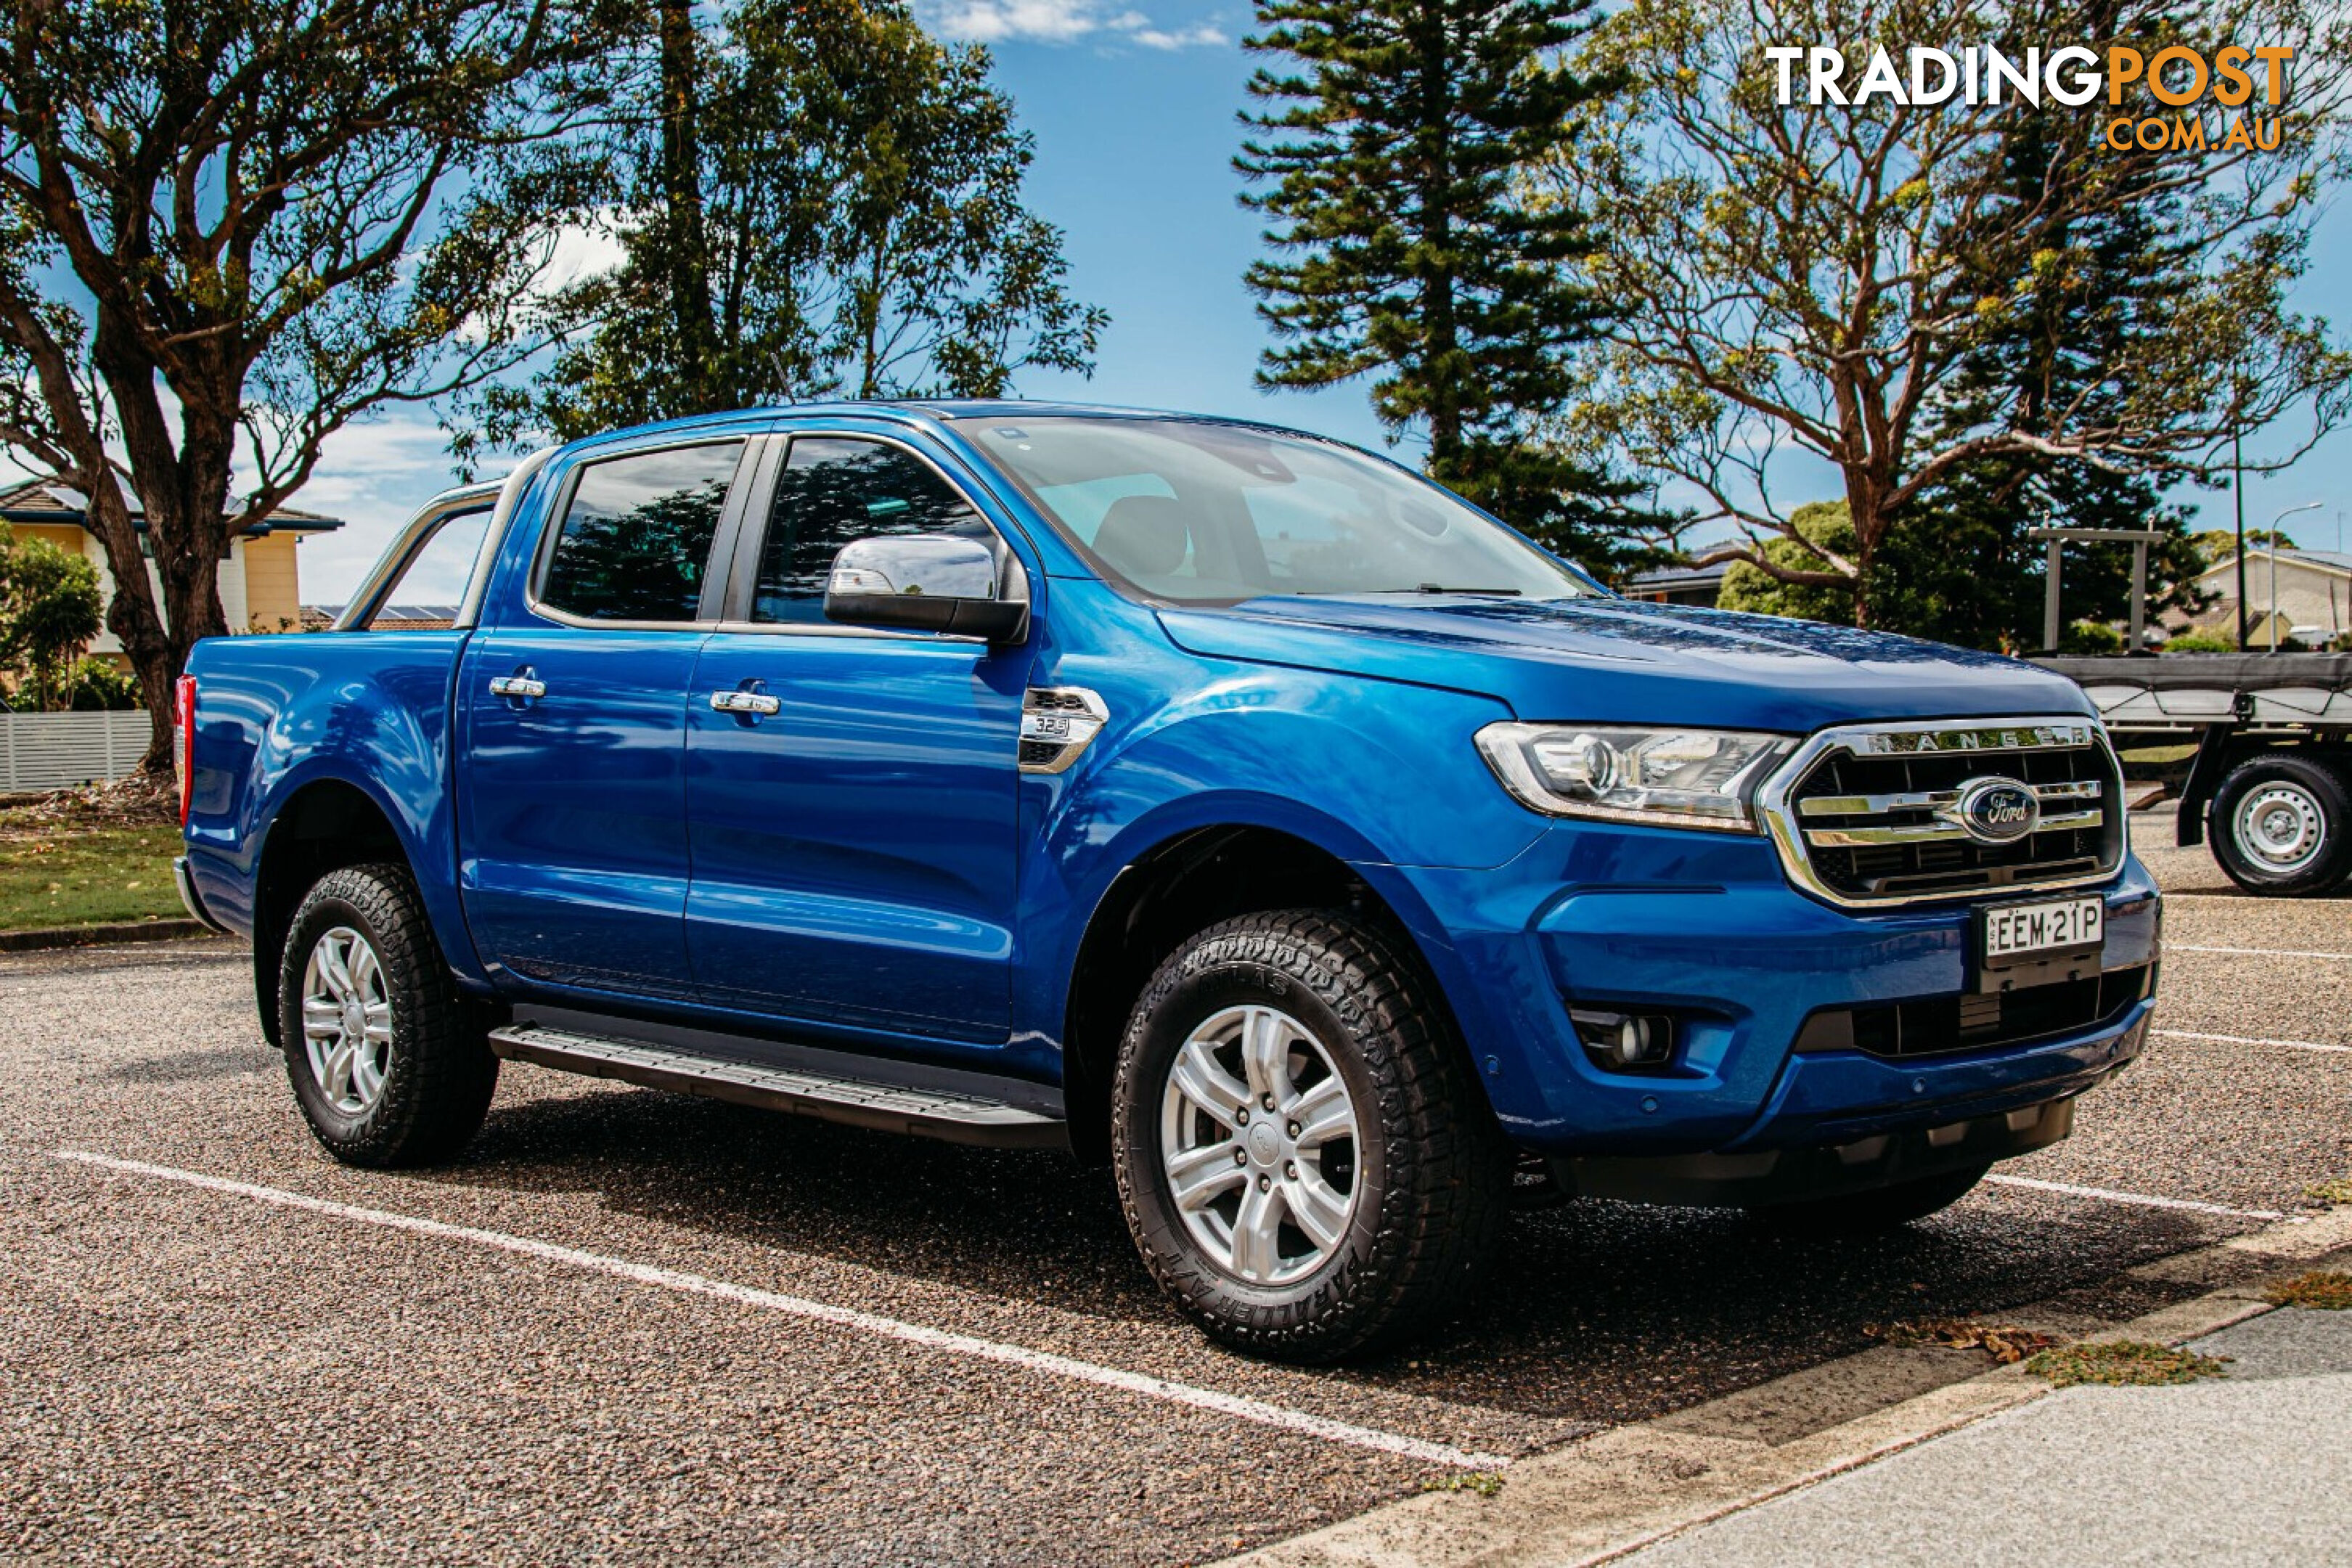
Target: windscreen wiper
{"x": 1438, "y": 588}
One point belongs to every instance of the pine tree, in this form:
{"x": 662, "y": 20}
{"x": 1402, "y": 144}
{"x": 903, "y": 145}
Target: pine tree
{"x": 1393, "y": 143}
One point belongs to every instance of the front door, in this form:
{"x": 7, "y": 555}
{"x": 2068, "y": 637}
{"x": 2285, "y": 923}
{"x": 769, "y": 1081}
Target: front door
{"x": 572, "y": 790}
{"x": 853, "y": 829}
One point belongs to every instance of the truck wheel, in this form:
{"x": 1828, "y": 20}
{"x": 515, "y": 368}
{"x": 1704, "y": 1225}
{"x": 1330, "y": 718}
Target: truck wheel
{"x": 1871, "y": 1212}
{"x": 390, "y": 1064}
{"x": 2282, "y": 823}
{"x": 1305, "y": 1163}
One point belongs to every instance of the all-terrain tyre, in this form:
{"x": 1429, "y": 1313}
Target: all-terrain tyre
{"x": 2282, "y": 824}
{"x": 1869, "y": 1214}
{"x": 1306, "y": 1162}
{"x": 389, "y": 1063}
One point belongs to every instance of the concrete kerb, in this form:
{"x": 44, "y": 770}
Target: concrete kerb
{"x": 99, "y": 935}
{"x": 1600, "y": 1498}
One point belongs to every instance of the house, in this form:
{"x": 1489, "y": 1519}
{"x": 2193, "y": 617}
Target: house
{"x": 260, "y": 583}
{"x": 2314, "y": 595}
{"x": 1697, "y": 584}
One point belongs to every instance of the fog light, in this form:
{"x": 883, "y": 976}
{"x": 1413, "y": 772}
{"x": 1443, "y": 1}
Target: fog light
{"x": 1618, "y": 1041}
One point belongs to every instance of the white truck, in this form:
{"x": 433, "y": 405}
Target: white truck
{"x": 2271, "y": 787}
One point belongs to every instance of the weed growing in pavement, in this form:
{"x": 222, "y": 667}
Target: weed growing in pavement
{"x": 2338, "y": 1191}
{"x": 1486, "y": 1483}
{"x": 2005, "y": 1342}
{"x": 2123, "y": 1363}
{"x": 2322, "y": 1287}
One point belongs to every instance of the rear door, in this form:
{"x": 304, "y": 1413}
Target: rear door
{"x": 854, "y": 845}
{"x": 571, "y": 787}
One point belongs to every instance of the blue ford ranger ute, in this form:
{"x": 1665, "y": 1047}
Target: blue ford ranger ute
{"x": 1224, "y": 803}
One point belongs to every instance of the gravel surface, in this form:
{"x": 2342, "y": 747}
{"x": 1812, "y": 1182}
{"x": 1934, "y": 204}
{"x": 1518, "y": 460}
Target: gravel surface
{"x": 195, "y": 1376}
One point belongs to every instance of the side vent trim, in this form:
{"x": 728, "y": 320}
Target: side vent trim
{"x": 1057, "y": 724}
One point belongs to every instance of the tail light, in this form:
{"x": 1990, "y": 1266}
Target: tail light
{"x": 183, "y": 717}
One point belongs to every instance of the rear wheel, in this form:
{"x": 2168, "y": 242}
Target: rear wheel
{"x": 2282, "y": 824}
{"x": 1871, "y": 1212}
{"x": 390, "y": 1065}
{"x": 1304, "y": 1164}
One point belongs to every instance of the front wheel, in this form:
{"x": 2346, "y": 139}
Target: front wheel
{"x": 1306, "y": 1164}
{"x": 2282, "y": 824}
{"x": 390, "y": 1065}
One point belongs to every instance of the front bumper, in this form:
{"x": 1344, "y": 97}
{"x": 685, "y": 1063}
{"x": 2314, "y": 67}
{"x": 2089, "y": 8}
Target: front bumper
{"x": 1707, "y": 927}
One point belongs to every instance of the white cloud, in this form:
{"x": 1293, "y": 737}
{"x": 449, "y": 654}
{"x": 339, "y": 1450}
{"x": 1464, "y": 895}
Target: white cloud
{"x": 1201, "y": 34}
{"x": 1062, "y": 22}
{"x": 374, "y": 475}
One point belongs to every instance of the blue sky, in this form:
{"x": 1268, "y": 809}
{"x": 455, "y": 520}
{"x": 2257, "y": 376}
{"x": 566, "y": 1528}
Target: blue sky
{"x": 1133, "y": 109}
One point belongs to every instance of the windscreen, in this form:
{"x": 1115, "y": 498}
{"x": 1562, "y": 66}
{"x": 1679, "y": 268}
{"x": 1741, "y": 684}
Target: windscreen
{"x": 1197, "y": 512}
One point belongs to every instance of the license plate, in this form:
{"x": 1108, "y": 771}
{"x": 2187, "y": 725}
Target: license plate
{"x": 2054, "y": 925}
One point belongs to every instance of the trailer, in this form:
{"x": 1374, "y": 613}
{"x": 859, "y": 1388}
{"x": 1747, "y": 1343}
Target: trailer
{"x": 2270, "y": 788}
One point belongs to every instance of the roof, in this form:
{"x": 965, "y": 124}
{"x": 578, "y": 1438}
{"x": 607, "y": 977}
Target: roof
{"x": 56, "y": 504}
{"x": 1707, "y": 570}
{"x": 1660, "y": 577}
{"x": 2326, "y": 559}
{"x": 390, "y": 618}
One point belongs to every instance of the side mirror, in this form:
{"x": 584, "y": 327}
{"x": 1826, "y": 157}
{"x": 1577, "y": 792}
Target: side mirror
{"x": 925, "y": 583}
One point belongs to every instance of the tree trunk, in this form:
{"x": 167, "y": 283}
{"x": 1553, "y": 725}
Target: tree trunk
{"x": 681, "y": 174}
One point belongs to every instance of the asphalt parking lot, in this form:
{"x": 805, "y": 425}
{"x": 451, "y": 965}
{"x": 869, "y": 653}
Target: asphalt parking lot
{"x": 636, "y": 1328}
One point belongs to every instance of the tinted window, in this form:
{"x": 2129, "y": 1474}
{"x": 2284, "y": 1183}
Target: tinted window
{"x": 637, "y": 536}
{"x": 835, "y": 490}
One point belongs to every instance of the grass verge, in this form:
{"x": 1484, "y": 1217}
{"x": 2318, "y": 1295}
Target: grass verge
{"x": 86, "y": 876}
{"x": 2322, "y": 1287}
{"x": 2338, "y": 1191}
{"x": 2123, "y": 1363}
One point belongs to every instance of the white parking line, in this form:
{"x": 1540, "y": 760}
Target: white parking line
{"x": 2250, "y": 1040}
{"x": 842, "y": 1316}
{"x": 2255, "y": 952}
{"x": 2142, "y": 1200}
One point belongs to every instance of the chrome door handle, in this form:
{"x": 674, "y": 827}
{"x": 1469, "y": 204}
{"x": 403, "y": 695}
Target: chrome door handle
{"x": 745, "y": 703}
{"x": 528, "y": 687}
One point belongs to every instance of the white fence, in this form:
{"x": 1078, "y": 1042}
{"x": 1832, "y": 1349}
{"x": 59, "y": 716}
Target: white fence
{"x": 52, "y": 750}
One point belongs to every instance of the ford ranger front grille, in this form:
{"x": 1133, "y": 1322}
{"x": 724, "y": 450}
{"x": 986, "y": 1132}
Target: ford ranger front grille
{"x": 1896, "y": 814}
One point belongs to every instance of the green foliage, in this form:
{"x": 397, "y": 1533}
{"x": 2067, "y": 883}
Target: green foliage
{"x": 1392, "y": 151}
{"x": 49, "y": 607}
{"x": 818, "y": 201}
{"x": 228, "y": 229}
{"x": 2200, "y": 642}
{"x": 2090, "y": 639}
{"x": 1981, "y": 319}
{"x": 91, "y": 686}
{"x": 1749, "y": 587}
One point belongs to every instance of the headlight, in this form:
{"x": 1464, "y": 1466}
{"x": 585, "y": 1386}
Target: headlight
{"x": 1671, "y": 778}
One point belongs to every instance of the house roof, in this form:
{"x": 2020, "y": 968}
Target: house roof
{"x": 390, "y": 618}
{"x": 2326, "y": 560}
{"x": 1705, "y": 571}
{"x": 49, "y": 501}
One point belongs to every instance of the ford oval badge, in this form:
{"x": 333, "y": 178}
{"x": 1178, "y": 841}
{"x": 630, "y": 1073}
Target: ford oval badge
{"x": 1998, "y": 810}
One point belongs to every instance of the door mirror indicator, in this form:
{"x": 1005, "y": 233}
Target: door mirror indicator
{"x": 923, "y": 581}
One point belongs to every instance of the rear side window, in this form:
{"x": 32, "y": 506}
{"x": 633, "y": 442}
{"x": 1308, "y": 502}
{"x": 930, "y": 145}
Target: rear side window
{"x": 636, "y": 538}
{"x": 835, "y": 490}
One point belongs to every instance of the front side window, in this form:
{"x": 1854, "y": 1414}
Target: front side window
{"x": 637, "y": 537}
{"x": 1196, "y": 511}
{"x": 837, "y": 488}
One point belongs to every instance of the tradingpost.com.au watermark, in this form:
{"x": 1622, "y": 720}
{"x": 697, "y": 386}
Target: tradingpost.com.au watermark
{"x": 2174, "y": 77}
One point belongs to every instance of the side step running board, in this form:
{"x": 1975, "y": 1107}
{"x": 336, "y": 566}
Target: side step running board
{"x": 954, "y": 1118}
